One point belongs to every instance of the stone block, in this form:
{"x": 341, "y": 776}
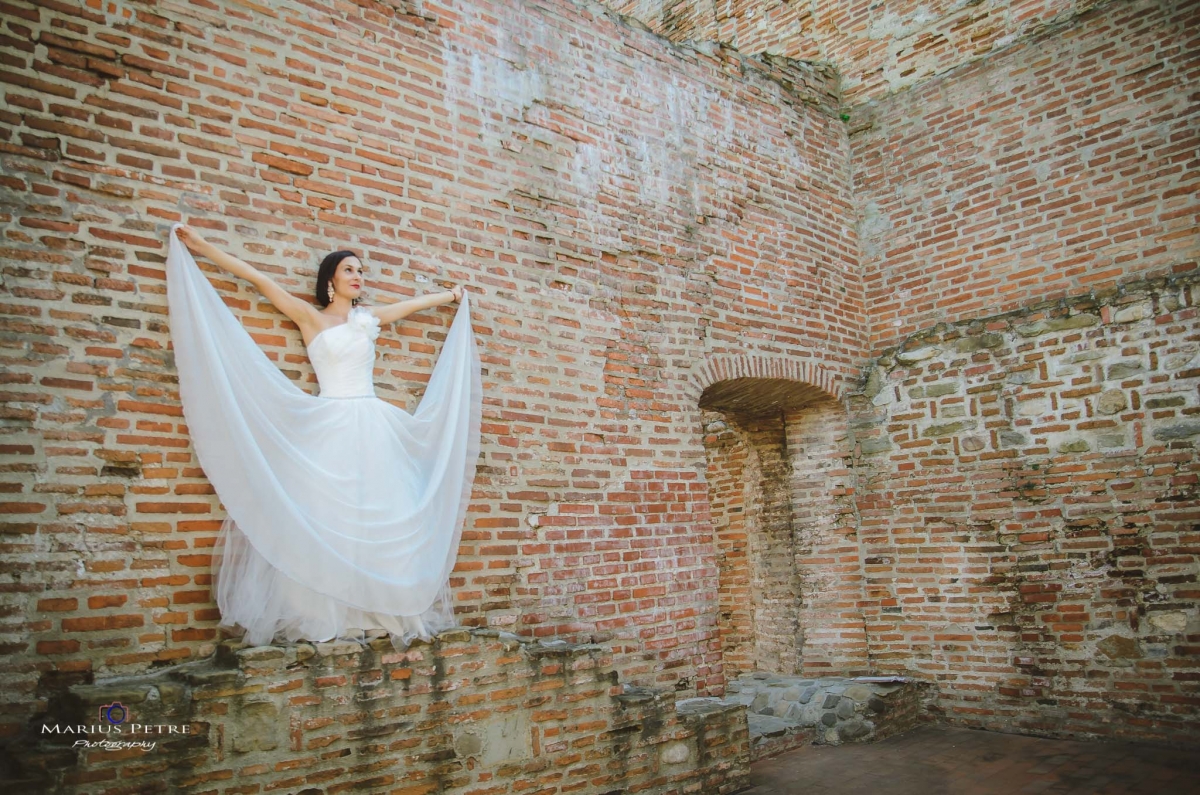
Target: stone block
{"x": 1058, "y": 324}
{"x": 1124, "y": 370}
{"x": 1112, "y": 401}
{"x": 859, "y": 693}
{"x": 767, "y": 726}
{"x": 978, "y": 342}
{"x": 257, "y": 728}
{"x": 1120, "y": 648}
{"x": 1133, "y": 313}
{"x": 940, "y": 390}
{"x": 1178, "y": 430}
{"x": 874, "y": 446}
{"x": 917, "y": 354}
{"x": 854, "y": 730}
{"x": 946, "y": 429}
{"x": 1013, "y": 438}
{"x": 675, "y": 753}
{"x": 1173, "y": 621}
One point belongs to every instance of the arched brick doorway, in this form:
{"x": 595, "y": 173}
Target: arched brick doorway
{"x": 782, "y": 498}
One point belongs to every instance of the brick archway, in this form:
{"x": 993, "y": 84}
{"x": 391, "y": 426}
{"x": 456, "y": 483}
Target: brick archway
{"x": 780, "y": 487}
{"x": 807, "y": 372}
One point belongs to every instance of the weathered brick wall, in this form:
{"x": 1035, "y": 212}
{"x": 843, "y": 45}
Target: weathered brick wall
{"x": 625, "y": 221}
{"x": 1029, "y": 514}
{"x": 639, "y": 222}
{"x": 752, "y": 522}
{"x": 877, "y": 48}
{"x": 1026, "y": 539}
{"x": 828, "y": 559}
{"x": 729, "y": 461}
{"x": 1064, "y": 163}
{"x": 781, "y": 489}
{"x": 474, "y": 712}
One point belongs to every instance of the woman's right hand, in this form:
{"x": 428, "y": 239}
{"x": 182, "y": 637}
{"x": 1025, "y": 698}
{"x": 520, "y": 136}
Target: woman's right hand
{"x": 190, "y": 238}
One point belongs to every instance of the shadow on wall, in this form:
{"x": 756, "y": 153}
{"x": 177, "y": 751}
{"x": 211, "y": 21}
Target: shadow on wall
{"x": 782, "y": 498}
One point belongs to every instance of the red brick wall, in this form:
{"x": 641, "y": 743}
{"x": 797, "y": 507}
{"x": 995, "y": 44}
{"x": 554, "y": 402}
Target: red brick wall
{"x": 639, "y": 222}
{"x": 1025, "y": 528}
{"x": 748, "y": 477}
{"x": 781, "y": 487}
{"x": 625, "y": 212}
{"x": 878, "y": 48}
{"x": 475, "y": 712}
{"x": 727, "y": 457}
{"x": 1028, "y": 515}
{"x": 828, "y": 559}
{"x": 1063, "y": 164}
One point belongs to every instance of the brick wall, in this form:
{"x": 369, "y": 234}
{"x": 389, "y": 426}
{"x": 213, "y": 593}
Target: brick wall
{"x": 625, "y": 213}
{"x": 1028, "y": 515}
{"x": 728, "y": 458}
{"x": 828, "y": 558}
{"x": 473, "y": 712}
{"x": 1064, "y": 163}
{"x": 640, "y": 222}
{"x": 781, "y": 488}
{"x": 752, "y": 522}
{"x": 877, "y": 48}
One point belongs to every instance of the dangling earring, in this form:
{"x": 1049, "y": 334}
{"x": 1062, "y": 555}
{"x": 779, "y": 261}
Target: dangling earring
{"x": 332, "y": 293}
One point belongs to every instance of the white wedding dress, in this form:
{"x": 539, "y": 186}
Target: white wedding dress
{"x": 344, "y": 511}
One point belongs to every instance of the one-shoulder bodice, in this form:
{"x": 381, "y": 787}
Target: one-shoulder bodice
{"x": 344, "y": 356}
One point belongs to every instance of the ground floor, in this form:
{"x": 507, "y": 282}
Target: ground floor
{"x": 935, "y": 760}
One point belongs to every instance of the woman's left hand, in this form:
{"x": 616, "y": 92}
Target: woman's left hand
{"x": 190, "y": 238}
{"x": 457, "y": 292}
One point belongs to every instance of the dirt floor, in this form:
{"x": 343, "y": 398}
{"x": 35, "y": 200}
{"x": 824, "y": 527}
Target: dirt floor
{"x": 935, "y": 760}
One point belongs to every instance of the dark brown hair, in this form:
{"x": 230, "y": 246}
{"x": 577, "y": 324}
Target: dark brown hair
{"x": 325, "y": 274}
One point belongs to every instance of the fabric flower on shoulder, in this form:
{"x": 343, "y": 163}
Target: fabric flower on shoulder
{"x": 364, "y": 320}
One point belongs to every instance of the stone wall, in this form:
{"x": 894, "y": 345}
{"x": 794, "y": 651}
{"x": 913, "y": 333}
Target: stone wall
{"x": 1029, "y": 513}
{"x": 474, "y": 711}
{"x": 1064, "y": 163}
{"x": 785, "y": 712}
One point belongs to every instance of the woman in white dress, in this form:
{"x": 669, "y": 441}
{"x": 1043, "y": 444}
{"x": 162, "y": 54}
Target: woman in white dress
{"x": 344, "y": 511}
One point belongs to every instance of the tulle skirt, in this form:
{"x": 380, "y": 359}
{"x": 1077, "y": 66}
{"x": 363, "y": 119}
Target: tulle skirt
{"x": 270, "y": 606}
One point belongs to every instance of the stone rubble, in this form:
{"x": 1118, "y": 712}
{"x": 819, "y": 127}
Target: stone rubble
{"x": 832, "y": 709}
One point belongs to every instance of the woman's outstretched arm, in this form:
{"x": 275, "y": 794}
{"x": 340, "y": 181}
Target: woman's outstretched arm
{"x": 390, "y": 313}
{"x": 298, "y": 311}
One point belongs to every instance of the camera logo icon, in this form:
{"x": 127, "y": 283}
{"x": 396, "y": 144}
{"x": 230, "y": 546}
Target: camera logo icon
{"x": 115, "y": 713}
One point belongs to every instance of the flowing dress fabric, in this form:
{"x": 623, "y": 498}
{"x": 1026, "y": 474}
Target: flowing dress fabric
{"x": 344, "y": 511}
